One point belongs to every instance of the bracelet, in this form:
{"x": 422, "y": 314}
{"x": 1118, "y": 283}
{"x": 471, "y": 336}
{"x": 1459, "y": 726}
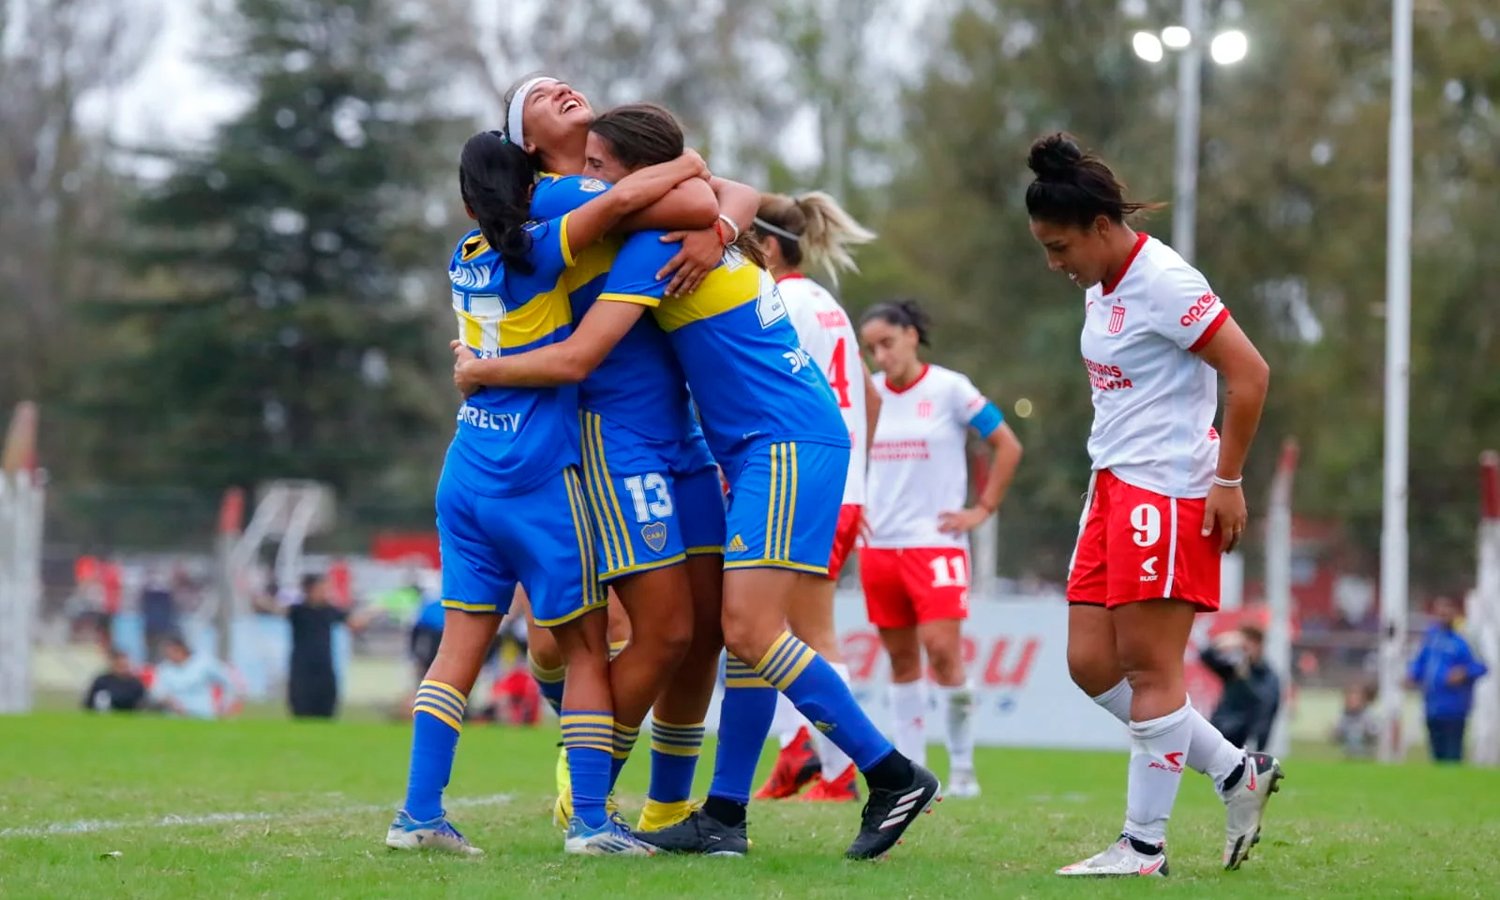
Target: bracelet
{"x": 1228, "y": 482}
{"x": 719, "y": 230}
{"x": 735, "y": 229}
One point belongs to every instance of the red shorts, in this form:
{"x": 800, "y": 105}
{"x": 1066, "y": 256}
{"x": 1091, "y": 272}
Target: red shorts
{"x": 1136, "y": 544}
{"x": 844, "y": 537}
{"x": 907, "y": 587}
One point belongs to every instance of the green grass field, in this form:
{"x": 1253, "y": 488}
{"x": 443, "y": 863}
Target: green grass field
{"x": 282, "y": 809}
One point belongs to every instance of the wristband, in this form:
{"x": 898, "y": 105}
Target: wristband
{"x": 1228, "y": 482}
{"x": 733, "y": 228}
{"x": 719, "y": 230}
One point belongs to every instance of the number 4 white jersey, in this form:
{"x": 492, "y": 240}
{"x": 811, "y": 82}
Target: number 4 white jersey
{"x": 1154, "y": 398}
{"x": 828, "y": 337}
{"x": 918, "y": 464}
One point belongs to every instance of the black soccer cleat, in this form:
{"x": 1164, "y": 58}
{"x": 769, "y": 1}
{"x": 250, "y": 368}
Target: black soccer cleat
{"x": 699, "y": 833}
{"x": 888, "y": 813}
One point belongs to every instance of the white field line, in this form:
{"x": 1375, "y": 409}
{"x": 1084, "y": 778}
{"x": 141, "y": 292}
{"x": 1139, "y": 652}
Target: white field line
{"x": 90, "y": 826}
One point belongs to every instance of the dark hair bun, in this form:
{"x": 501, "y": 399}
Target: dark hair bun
{"x": 1055, "y": 158}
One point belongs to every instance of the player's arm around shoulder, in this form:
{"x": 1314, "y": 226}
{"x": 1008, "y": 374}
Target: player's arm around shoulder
{"x": 566, "y": 362}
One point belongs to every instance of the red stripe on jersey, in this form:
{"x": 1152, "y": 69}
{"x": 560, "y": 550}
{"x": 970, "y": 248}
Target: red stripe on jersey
{"x": 914, "y": 382}
{"x": 1111, "y": 284}
{"x": 1210, "y": 331}
{"x": 789, "y": 276}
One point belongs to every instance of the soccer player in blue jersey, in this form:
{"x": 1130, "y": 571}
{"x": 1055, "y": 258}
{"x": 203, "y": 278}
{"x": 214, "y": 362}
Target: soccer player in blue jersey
{"x": 652, "y": 485}
{"x": 772, "y": 423}
{"x": 510, "y": 502}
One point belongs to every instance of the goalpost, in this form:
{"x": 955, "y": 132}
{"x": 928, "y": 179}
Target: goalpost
{"x": 1484, "y": 615}
{"x": 22, "y": 492}
{"x": 1279, "y": 592}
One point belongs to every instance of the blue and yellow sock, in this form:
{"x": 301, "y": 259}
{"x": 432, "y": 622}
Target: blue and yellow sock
{"x": 588, "y": 738}
{"x": 550, "y": 682}
{"x": 674, "y": 759}
{"x": 623, "y": 741}
{"x": 745, "y": 717}
{"x": 437, "y": 721}
{"x": 818, "y": 692}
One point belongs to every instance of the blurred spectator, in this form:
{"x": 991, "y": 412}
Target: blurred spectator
{"x": 1252, "y": 692}
{"x": 515, "y": 698}
{"x": 341, "y": 583}
{"x": 312, "y": 682}
{"x": 426, "y": 634}
{"x": 1445, "y": 670}
{"x": 158, "y": 612}
{"x": 190, "y": 684}
{"x": 1358, "y": 730}
{"x": 117, "y": 689}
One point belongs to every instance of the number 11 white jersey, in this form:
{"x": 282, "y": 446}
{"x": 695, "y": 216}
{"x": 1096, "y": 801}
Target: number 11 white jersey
{"x": 828, "y": 337}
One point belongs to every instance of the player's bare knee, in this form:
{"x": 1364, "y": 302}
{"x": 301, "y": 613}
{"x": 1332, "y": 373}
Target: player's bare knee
{"x": 947, "y": 668}
{"x": 743, "y": 640}
{"x": 905, "y": 667}
{"x": 1092, "y": 675}
{"x": 673, "y": 639}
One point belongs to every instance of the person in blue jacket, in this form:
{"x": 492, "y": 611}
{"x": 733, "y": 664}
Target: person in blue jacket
{"x": 1445, "y": 670}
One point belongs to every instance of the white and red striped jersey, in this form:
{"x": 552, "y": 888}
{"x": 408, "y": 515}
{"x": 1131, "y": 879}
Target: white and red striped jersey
{"x": 918, "y": 464}
{"x": 828, "y": 337}
{"x": 1154, "y": 398}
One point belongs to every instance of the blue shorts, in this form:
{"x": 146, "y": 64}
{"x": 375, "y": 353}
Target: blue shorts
{"x": 541, "y": 539}
{"x": 784, "y": 503}
{"x": 653, "y": 503}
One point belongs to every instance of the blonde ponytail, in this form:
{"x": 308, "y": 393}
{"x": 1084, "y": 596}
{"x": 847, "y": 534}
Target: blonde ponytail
{"x": 821, "y": 229}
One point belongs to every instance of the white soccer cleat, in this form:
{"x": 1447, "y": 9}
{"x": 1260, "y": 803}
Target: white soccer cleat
{"x": 962, "y": 784}
{"x": 609, "y": 839}
{"x": 1245, "y": 805}
{"x": 436, "y": 834}
{"x": 1121, "y": 858}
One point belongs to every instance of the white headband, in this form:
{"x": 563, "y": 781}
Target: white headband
{"x": 513, "y": 116}
{"x": 763, "y": 225}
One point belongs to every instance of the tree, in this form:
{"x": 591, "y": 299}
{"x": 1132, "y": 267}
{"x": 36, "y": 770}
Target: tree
{"x": 287, "y": 280}
{"x": 58, "y": 194}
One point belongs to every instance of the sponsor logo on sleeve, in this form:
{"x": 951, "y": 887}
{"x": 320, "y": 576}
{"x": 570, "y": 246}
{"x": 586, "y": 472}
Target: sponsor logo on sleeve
{"x": 1199, "y": 310}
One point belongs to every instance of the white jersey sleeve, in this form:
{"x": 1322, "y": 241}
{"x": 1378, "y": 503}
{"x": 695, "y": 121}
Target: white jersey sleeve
{"x": 964, "y": 399}
{"x": 1183, "y": 308}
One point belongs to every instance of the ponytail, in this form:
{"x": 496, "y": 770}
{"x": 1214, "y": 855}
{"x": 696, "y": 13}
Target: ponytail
{"x": 495, "y": 178}
{"x": 814, "y": 229}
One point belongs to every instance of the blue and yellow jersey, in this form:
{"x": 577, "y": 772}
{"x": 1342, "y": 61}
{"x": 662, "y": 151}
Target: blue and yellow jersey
{"x": 749, "y": 375}
{"x": 510, "y": 439}
{"x": 640, "y": 385}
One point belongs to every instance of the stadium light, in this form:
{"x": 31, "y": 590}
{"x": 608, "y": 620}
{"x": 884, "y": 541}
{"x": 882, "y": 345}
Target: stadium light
{"x": 1225, "y": 48}
{"x": 1229, "y": 47}
{"x": 1148, "y": 47}
{"x": 1176, "y": 36}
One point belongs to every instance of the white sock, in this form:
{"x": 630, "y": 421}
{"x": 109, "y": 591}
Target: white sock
{"x": 1158, "y": 750}
{"x": 909, "y": 710}
{"x": 1210, "y": 752}
{"x": 833, "y": 760}
{"x": 787, "y": 720}
{"x": 1116, "y": 701}
{"x": 958, "y": 714}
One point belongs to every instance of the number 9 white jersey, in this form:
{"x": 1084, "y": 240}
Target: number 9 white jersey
{"x": 828, "y": 337}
